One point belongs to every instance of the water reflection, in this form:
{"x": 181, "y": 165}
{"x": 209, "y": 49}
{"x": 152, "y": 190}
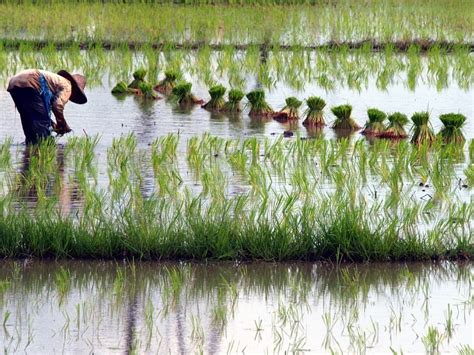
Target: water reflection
{"x": 187, "y": 308}
{"x": 54, "y": 185}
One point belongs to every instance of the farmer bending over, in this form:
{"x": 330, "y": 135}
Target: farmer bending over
{"x": 37, "y": 92}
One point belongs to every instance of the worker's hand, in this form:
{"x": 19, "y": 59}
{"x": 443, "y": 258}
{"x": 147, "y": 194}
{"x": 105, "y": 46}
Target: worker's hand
{"x": 61, "y": 129}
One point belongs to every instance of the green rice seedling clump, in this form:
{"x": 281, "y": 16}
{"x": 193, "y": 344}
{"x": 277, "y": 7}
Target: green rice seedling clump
{"x": 233, "y": 103}
{"x": 120, "y": 88}
{"x": 138, "y": 78}
{"x": 217, "y": 98}
{"x": 258, "y": 106}
{"x": 422, "y": 131}
{"x": 452, "y": 130}
{"x": 396, "y": 127}
{"x": 146, "y": 91}
{"x": 314, "y": 112}
{"x": 290, "y": 111}
{"x": 374, "y": 125}
{"x": 343, "y": 118}
{"x": 182, "y": 94}
{"x": 166, "y": 85}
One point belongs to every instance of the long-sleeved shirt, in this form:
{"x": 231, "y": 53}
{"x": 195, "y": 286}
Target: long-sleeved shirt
{"x": 59, "y": 86}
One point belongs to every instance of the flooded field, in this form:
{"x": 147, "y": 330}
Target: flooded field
{"x": 437, "y": 83}
{"x": 150, "y": 180}
{"x": 173, "y": 170}
{"x": 107, "y": 307}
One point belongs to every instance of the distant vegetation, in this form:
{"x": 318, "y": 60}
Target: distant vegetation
{"x": 304, "y": 23}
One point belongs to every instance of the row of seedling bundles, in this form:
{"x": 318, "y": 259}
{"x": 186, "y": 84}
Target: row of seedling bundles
{"x": 376, "y": 126}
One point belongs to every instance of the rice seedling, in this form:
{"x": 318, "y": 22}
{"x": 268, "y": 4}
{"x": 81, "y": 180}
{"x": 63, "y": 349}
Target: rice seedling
{"x": 344, "y": 121}
{"x": 166, "y": 85}
{"x": 449, "y": 326}
{"x": 235, "y": 96}
{"x": 138, "y": 78}
{"x": 469, "y": 173}
{"x": 120, "y": 88}
{"x": 290, "y": 111}
{"x": 146, "y": 91}
{"x": 314, "y": 113}
{"x": 62, "y": 279}
{"x": 432, "y": 340}
{"x": 6, "y": 316}
{"x": 465, "y": 349}
{"x": 396, "y": 126}
{"x": 452, "y": 130}
{"x": 182, "y": 94}
{"x": 422, "y": 131}
{"x": 374, "y": 125}
{"x": 217, "y": 98}
{"x": 259, "y": 108}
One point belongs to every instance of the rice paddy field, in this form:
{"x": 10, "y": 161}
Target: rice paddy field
{"x": 246, "y": 177}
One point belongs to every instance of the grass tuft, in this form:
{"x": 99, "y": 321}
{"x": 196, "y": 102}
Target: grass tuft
{"x": 235, "y": 96}
{"x": 182, "y": 94}
{"x": 217, "y": 98}
{"x": 259, "y": 108}
{"x": 396, "y": 127}
{"x": 422, "y": 131}
{"x": 314, "y": 113}
{"x": 452, "y": 130}
{"x": 166, "y": 85}
{"x": 374, "y": 125}
{"x": 344, "y": 120}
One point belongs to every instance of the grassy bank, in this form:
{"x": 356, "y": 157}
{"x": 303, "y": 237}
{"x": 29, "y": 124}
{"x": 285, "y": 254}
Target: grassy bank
{"x": 378, "y": 21}
{"x": 231, "y": 199}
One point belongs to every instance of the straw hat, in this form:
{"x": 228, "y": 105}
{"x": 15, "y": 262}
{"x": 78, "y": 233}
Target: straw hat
{"x": 78, "y": 83}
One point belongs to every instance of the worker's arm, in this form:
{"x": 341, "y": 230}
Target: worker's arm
{"x": 61, "y": 126}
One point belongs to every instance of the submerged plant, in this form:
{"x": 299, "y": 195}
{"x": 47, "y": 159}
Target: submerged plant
{"x": 120, "y": 88}
{"x": 138, "y": 78}
{"x": 183, "y": 95}
{"x": 290, "y": 111}
{"x": 233, "y": 104}
{"x": 216, "y": 102}
{"x": 452, "y": 130}
{"x": 396, "y": 126}
{"x": 343, "y": 118}
{"x": 166, "y": 85}
{"x": 258, "y": 106}
{"x": 314, "y": 113}
{"x": 422, "y": 132}
{"x": 374, "y": 125}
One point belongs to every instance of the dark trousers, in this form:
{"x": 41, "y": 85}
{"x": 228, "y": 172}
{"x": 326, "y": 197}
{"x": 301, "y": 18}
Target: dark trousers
{"x": 35, "y": 118}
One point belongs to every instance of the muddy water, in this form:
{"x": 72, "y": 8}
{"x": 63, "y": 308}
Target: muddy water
{"x": 105, "y": 307}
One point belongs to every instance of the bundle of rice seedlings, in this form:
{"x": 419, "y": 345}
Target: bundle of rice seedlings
{"x": 290, "y": 111}
{"x": 395, "y": 128}
{"x": 314, "y": 113}
{"x": 138, "y": 78}
{"x": 120, "y": 88}
{"x": 182, "y": 94}
{"x": 343, "y": 118}
{"x": 233, "y": 104}
{"x": 166, "y": 85}
{"x": 258, "y": 106}
{"x": 216, "y": 103}
{"x": 146, "y": 90}
{"x": 422, "y": 132}
{"x": 452, "y": 130}
{"x": 374, "y": 125}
